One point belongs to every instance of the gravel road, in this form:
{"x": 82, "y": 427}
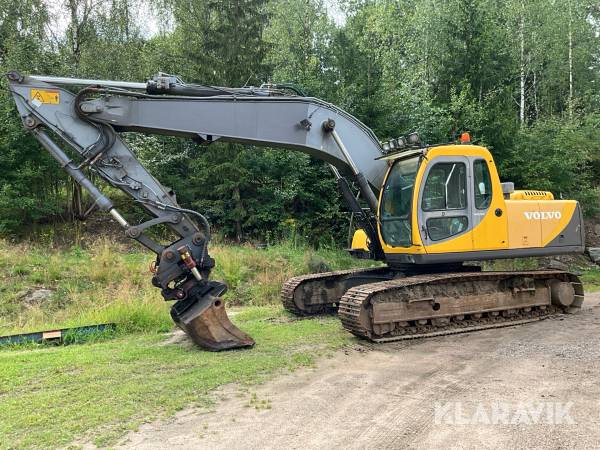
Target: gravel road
{"x": 531, "y": 386}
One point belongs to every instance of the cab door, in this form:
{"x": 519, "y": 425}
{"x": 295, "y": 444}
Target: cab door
{"x": 445, "y": 209}
{"x": 490, "y": 227}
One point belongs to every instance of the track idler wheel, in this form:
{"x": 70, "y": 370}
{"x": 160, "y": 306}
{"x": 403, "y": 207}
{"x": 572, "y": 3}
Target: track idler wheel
{"x": 205, "y": 321}
{"x": 562, "y": 293}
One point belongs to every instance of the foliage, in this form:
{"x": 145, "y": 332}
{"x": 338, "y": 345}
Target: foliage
{"x": 522, "y": 76}
{"x": 557, "y": 156}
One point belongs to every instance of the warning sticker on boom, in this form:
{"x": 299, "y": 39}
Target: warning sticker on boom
{"x": 45, "y": 96}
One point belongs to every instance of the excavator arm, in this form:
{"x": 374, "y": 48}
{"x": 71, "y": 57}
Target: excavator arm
{"x": 88, "y": 115}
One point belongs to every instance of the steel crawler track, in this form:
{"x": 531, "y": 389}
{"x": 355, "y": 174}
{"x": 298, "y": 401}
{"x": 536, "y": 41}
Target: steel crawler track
{"x": 358, "y": 315}
{"x": 467, "y": 329}
{"x": 291, "y": 286}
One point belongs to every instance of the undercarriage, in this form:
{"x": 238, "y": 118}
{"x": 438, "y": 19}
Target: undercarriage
{"x": 384, "y": 305}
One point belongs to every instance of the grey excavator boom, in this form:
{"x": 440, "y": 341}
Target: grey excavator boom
{"x": 88, "y": 116}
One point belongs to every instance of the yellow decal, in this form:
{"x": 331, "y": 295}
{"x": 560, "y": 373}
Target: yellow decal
{"x": 45, "y": 96}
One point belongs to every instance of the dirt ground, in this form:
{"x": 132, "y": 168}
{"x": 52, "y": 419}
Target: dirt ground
{"x": 436, "y": 393}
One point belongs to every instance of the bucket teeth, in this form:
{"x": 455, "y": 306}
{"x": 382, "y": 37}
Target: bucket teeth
{"x": 206, "y": 323}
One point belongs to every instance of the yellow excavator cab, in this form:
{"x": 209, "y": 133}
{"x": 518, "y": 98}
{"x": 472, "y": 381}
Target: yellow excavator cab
{"x": 450, "y": 207}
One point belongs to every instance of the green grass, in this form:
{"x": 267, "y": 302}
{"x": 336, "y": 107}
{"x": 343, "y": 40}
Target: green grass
{"x": 99, "y": 389}
{"x": 111, "y": 283}
{"x": 53, "y": 396}
{"x": 591, "y": 280}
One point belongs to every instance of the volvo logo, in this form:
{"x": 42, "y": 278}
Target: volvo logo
{"x": 543, "y": 215}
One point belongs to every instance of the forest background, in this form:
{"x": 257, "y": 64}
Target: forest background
{"x": 521, "y": 76}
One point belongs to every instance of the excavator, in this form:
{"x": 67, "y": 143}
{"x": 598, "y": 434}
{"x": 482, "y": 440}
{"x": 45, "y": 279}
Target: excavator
{"x": 425, "y": 211}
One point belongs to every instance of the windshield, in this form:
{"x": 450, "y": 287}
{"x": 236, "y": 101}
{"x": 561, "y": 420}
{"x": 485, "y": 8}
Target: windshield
{"x": 396, "y": 199}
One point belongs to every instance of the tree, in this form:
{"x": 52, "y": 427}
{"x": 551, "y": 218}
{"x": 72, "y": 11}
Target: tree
{"x": 29, "y": 183}
{"x": 223, "y": 40}
{"x": 299, "y": 37}
{"x": 522, "y": 76}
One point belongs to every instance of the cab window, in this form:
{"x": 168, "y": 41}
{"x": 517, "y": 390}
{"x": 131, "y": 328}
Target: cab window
{"x": 482, "y": 185}
{"x": 446, "y": 187}
{"x": 443, "y": 227}
{"x": 396, "y": 198}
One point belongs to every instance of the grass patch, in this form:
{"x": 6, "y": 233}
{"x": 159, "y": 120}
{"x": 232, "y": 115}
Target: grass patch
{"x": 100, "y": 388}
{"x": 108, "y": 282}
{"x": 591, "y": 280}
{"x": 52, "y": 396}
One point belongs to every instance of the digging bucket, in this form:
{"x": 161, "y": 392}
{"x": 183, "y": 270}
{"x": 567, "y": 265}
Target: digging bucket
{"x": 205, "y": 321}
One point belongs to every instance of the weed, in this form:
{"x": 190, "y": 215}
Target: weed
{"x": 256, "y": 403}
